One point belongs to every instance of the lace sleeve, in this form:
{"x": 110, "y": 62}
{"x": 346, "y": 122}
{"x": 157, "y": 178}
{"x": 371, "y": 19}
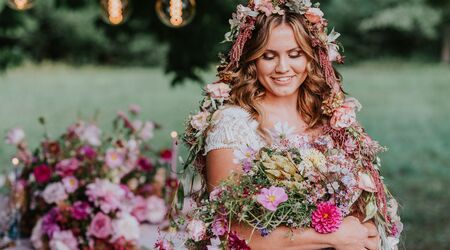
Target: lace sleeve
{"x": 232, "y": 128}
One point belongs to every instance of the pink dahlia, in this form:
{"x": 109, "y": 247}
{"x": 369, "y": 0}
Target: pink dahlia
{"x": 326, "y": 218}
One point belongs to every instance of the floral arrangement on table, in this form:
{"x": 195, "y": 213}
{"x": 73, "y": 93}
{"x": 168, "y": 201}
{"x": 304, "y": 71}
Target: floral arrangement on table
{"x": 297, "y": 182}
{"x": 86, "y": 190}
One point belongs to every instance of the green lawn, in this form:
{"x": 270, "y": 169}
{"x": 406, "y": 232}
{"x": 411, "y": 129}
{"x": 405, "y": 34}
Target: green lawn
{"x": 406, "y": 107}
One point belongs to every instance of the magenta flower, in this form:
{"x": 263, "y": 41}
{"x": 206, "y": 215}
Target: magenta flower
{"x": 67, "y": 167}
{"x": 326, "y": 218}
{"x": 81, "y": 210}
{"x": 272, "y": 197}
{"x": 100, "y": 226}
{"x": 42, "y": 173}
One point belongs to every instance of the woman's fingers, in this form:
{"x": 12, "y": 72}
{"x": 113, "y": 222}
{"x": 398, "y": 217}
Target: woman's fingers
{"x": 371, "y": 229}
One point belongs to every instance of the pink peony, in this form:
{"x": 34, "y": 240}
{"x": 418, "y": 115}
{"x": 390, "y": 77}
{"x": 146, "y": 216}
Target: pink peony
{"x": 100, "y": 226}
{"x": 114, "y": 158}
{"x": 272, "y": 197}
{"x": 105, "y": 194}
{"x": 196, "y": 230}
{"x": 139, "y": 208}
{"x": 218, "y": 90}
{"x": 54, "y": 193}
{"x": 80, "y": 210}
{"x": 42, "y": 173}
{"x": 314, "y": 15}
{"x": 15, "y": 136}
{"x": 67, "y": 167}
{"x": 326, "y": 218}
{"x": 63, "y": 240}
{"x": 70, "y": 184}
{"x": 125, "y": 226}
{"x": 200, "y": 120}
{"x": 156, "y": 209}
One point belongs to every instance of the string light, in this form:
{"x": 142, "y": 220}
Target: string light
{"x": 174, "y": 134}
{"x": 15, "y": 161}
{"x": 20, "y": 4}
{"x": 175, "y": 13}
{"x": 115, "y": 11}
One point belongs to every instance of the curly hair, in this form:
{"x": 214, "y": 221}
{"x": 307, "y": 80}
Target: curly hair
{"x": 247, "y": 90}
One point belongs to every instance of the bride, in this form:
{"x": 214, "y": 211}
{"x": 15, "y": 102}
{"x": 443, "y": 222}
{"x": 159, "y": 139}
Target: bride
{"x": 278, "y": 75}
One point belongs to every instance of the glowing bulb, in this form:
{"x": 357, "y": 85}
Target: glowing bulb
{"x": 115, "y": 11}
{"x": 175, "y": 13}
{"x": 174, "y": 134}
{"x": 15, "y": 161}
{"x": 20, "y": 4}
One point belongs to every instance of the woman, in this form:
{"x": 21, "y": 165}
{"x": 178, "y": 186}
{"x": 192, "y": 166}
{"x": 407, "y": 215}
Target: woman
{"x": 276, "y": 74}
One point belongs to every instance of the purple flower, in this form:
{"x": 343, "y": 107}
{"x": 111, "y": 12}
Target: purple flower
{"x": 80, "y": 210}
{"x": 272, "y": 197}
{"x": 49, "y": 224}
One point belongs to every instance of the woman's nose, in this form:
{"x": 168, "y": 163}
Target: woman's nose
{"x": 282, "y": 66}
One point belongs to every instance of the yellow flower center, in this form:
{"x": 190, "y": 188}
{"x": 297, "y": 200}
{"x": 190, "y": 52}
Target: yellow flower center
{"x": 325, "y": 215}
{"x": 271, "y": 198}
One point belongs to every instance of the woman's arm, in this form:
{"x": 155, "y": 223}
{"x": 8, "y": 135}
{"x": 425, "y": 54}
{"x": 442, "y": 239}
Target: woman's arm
{"x": 351, "y": 235}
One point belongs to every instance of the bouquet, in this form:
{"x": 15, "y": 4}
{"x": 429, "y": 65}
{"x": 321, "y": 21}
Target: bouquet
{"x": 86, "y": 190}
{"x": 296, "y": 182}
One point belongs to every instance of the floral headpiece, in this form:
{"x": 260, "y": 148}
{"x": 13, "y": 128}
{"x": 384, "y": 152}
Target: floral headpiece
{"x": 243, "y": 23}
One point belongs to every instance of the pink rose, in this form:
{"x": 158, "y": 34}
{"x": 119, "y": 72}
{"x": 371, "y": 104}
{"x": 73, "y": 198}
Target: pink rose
{"x": 333, "y": 53}
{"x": 272, "y": 197}
{"x": 218, "y": 90}
{"x": 139, "y": 209}
{"x": 196, "y": 230}
{"x": 314, "y": 15}
{"x": 100, "y": 226}
{"x": 365, "y": 182}
{"x": 67, "y": 167}
{"x": 200, "y": 120}
{"x": 54, "y": 193}
{"x": 42, "y": 173}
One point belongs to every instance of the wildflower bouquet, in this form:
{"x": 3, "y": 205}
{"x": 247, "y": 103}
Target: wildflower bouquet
{"x": 296, "y": 182}
{"x": 89, "y": 191}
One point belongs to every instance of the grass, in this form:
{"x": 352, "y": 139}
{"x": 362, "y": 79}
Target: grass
{"x": 406, "y": 108}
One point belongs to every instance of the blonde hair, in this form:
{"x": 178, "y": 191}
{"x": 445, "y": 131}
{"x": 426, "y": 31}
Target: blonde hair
{"x": 246, "y": 89}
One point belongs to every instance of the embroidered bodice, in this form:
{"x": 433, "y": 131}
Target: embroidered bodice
{"x": 233, "y": 128}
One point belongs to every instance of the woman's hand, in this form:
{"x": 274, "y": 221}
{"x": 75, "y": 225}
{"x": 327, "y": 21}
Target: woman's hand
{"x": 352, "y": 235}
{"x": 373, "y": 241}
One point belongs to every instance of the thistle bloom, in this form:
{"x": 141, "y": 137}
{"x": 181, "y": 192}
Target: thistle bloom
{"x": 272, "y": 197}
{"x": 326, "y": 218}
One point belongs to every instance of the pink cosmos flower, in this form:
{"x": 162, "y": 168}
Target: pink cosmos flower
{"x": 42, "y": 173}
{"x": 100, "y": 226}
{"x": 219, "y": 226}
{"x": 70, "y": 184}
{"x": 15, "y": 136}
{"x": 326, "y": 218}
{"x": 67, "y": 167}
{"x": 272, "y": 197}
{"x": 114, "y": 158}
{"x": 314, "y": 15}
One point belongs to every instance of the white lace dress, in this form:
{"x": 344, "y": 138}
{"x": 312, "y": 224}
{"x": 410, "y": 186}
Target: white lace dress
{"x": 233, "y": 128}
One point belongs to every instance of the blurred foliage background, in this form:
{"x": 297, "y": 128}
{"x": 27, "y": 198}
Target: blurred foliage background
{"x": 60, "y": 60}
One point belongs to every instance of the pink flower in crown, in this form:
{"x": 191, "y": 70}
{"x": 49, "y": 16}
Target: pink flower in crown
{"x": 114, "y": 158}
{"x": 218, "y": 90}
{"x": 15, "y": 136}
{"x": 272, "y": 197}
{"x": 215, "y": 194}
{"x": 200, "y": 120}
{"x": 63, "y": 240}
{"x": 67, "y": 167}
{"x": 333, "y": 53}
{"x": 343, "y": 117}
{"x": 365, "y": 182}
{"x": 314, "y": 15}
{"x": 70, "y": 184}
{"x": 326, "y": 218}
{"x": 265, "y": 6}
{"x": 101, "y": 226}
{"x": 196, "y": 230}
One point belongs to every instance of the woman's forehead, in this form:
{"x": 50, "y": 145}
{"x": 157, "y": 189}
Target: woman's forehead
{"x": 282, "y": 38}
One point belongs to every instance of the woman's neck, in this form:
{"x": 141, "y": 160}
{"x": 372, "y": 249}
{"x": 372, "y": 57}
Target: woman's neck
{"x": 285, "y": 105}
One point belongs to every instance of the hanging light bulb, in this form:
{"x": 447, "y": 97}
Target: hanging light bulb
{"x": 175, "y": 13}
{"x": 115, "y": 12}
{"x": 20, "y": 4}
